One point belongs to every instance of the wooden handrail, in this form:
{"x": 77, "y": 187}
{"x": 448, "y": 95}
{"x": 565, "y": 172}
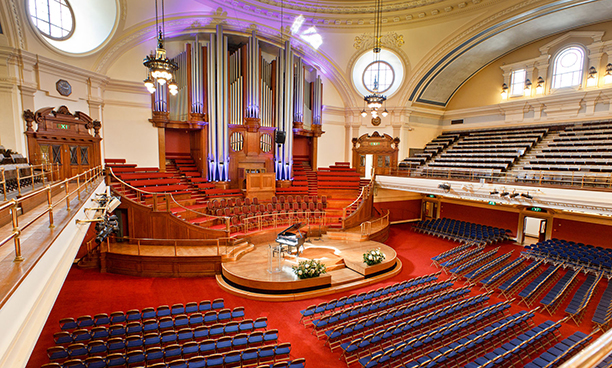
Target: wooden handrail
{"x": 366, "y": 226}
{"x": 43, "y": 173}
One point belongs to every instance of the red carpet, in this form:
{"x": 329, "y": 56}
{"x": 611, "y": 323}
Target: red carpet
{"x": 90, "y": 292}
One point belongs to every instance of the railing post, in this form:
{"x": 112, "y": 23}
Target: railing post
{"x": 16, "y": 232}
{"x": 175, "y": 250}
{"x": 3, "y": 183}
{"x": 138, "y": 246}
{"x": 50, "y": 207}
{"x": 67, "y": 195}
{"x": 167, "y": 196}
{"x": 32, "y": 176}
{"x": 18, "y": 182}
{"x": 79, "y": 187}
{"x": 154, "y": 200}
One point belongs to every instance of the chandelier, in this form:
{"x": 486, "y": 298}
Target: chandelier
{"x": 375, "y": 100}
{"x": 160, "y": 68}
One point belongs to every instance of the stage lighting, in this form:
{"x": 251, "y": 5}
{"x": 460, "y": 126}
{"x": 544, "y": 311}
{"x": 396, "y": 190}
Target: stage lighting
{"x": 514, "y": 195}
{"x": 526, "y": 195}
{"x": 444, "y": 186}
{"x": 503, "y": 194}
{"x": 494, "y": 192}
{"x": 108, "y": 226}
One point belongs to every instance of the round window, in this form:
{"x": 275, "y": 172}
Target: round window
{"x": 53, "y": 18}
{"x": 265, "y": 142}
{"x": 378, "y": 77}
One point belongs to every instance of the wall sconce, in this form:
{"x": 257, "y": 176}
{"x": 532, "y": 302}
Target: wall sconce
{"x": 363, "y": 113}
{"x": 608, "y": 75}
{"x": 504, "y": 92}
{"x": 526, "y": 195}
{"x": 540, "y": 86}
{"x": 527, "y": 87}
{"x": 592, "y": 78}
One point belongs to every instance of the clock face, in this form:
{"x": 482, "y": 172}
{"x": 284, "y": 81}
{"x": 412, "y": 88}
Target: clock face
{"x": 376, "y": 121}
{"x": 63, "y": 87}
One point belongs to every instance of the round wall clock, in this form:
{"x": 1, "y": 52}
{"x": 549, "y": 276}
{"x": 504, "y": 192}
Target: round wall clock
{"x": 376, "y": 121}
{"x": 63, "y": 87}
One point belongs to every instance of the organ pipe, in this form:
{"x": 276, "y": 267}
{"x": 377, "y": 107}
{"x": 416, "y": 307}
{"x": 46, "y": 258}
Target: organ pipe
{"x": 161, "y": 98}
{"x": 317, "y": 101}
{"x": 179, "y": 104}
{"x": 284, "y": 109}
{"x": 253, "y": 92}
{"x": 298, "y": 94}
{"x": 218, "y": 158}
{"x": 267, "y": 104}
{"x": 197, "y": 74}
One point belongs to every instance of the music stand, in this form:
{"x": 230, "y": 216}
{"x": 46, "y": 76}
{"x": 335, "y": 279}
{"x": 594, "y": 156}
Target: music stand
{"x": 275, "y": 257}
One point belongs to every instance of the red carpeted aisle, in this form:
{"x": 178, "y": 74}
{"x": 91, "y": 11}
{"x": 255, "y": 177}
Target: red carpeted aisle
{"x": 90, "y": 292}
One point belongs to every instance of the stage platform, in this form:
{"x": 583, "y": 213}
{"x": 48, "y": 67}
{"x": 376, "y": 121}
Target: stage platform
{"x": 254, "y": 276}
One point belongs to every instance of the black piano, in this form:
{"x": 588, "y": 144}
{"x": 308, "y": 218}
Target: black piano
{"x": 291, "y": 237}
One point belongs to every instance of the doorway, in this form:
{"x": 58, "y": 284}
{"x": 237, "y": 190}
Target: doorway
{"x": 534, "y": 230}
{"x": 369, "y": 159}
{"x": 430, "y": 210}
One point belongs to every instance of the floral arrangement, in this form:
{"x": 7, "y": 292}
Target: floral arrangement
{"x": 309, "y": 268}
{"x": 373, "y": 257}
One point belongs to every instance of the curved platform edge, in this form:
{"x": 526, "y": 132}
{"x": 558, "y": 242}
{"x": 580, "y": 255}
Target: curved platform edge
{"x": 395, "y": 270}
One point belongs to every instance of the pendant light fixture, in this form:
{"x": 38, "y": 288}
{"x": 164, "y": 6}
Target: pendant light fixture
{"x": 160, "y": 68}
{"x": 375, "y": 100}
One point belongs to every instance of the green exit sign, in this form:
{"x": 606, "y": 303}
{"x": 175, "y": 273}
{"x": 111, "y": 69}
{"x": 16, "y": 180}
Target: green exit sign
{"x": 431, "y": 196}
{"x": 63, "y": 126}
{"x": 493, "y": 203}
{"x": 374, "y": 143}
{"x": 535, "y": 209}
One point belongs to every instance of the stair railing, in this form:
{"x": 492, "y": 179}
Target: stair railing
{"x": 364, "y": 207}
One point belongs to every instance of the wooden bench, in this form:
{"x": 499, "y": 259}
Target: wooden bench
{"x": 223, "y": 192}
{"x": 126, "y": 168}
{"x": 145, "y": 176}
{"x": 153, "y": 182}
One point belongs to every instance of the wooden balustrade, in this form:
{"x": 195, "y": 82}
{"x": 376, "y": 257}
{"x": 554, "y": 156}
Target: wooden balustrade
{"x": 46, "y": 172}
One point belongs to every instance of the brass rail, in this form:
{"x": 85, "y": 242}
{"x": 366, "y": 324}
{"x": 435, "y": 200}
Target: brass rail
{"x": 88, "y": 176}
{"x": 366, "y": 226}
{"x": 45, "y": 174}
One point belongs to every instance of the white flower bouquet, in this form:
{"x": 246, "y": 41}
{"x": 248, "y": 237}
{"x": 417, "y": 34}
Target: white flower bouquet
{"x": 374, "y": 256}
{"x": 309, "y": 268}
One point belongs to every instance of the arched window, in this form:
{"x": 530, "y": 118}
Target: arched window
{"x": 568, "y": 68}
{"x": 53, "y": 18}
{"x": 378, "y": 76}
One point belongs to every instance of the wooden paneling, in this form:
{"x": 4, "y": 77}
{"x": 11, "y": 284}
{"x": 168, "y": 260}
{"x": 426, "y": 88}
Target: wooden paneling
{"x": 582, "y": 232}
{"x": 261, "y": 186}
{"x": 155, "y": 266}
{"x": 384, "y": 148}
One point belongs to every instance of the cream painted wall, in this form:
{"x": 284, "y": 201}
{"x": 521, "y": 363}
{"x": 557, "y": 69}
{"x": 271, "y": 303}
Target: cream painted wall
{"x": 485, "y": 86}
{"x": 331, "y": 146}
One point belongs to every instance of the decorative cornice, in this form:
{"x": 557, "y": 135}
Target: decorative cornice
{"x": 17, "y": 20}
{"x": 366, "y": 40}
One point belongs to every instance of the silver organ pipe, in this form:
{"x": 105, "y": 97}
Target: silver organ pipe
{"x": 224, "y": 139}
{"x": 266, "y": 107}
{"x": 253, "y": 92}
{"x": 161, "y": 97}
{"x": 284, "y": 108}
{"x": 298, "y": 94}
{"x": 235, "y": 87}
{"x": 317, "y": 106}
{"x": 197, "y": 73}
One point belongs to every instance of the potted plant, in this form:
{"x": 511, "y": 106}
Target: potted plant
{"x": 309, "y": 268}
{"x": 373, "y": 257}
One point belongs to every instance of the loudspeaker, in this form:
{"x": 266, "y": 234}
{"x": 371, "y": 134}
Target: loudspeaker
{"x": 279, "y": 138}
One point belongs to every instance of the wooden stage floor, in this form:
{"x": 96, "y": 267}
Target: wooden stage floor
{"x": 255, "y": 276}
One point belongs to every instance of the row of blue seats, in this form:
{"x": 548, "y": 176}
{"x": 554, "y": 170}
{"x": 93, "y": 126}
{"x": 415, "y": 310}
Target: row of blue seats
{"x": 577, "y": 255}
{"x": 513, "y": 281}
{"x": 603, "y": 313}
{"x": 450, "y": 252}
{"x": 482, "y": 270}
{"x": 471, "y": 263}
{"x": 554, "y": 296}
{"x": 102, "y": 319}
{"x": 433, "y": 337}
{"x": 327, "y": 321}
{"x": 462, "y": 257}
{"x": 345, "y": 302}
{"x": 208, "y": 346}
{"x": 583, "y": 296}
{"x": 518, "y": 346}
{"x": 390, "y": 316}
{"x": 531, "y": 290}
{"x": 560, "y": 352}
{"x": 412, "y": 326}
{"x": 192, "y": 325}
{"x": 497, "y": 276}
{"x": 461, "y": 231}
{"x": 479, "y": 340}
{"x": 172, "y": 357}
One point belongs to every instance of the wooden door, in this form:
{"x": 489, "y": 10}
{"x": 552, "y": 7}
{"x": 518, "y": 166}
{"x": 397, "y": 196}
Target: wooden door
{"x": 382, "y": 148}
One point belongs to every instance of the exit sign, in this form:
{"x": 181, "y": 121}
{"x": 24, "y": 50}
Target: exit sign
{"x": 493, "y": 203}
{"x": 535, "y": 209}
{"x": 431, "y": 196}
{"x": 63, "y": 126}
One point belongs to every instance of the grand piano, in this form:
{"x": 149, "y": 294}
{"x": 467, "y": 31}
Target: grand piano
{"x": 291, "y": 237}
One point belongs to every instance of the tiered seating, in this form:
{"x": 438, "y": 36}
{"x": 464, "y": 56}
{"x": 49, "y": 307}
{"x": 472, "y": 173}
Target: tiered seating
{"x": 582, "y": 297}
{"x": 583, "y": 147}
{"x": 493, "y": 151}
{"x": 146, "y": 179}
{"x": 560, "y": 291}
{"x": 432, "y": 148}
{"x": 338, "y": 177}
{"x": 531, "y": 291}
{"x": 461, "y": 231}
{"x": 562, "y": 351}
{"x": 603, "y": 313}
{"x": 177, "y": 336}
{"x": 576, "y": 255}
